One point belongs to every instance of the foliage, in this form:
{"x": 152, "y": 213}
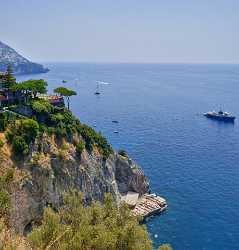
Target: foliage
{"x": 5, "y": 181}
{"x": 3, "y": 121}
{"x": 165, "y": 247}
{"x": 56, "y": 118}
{"x": 52, "y": 120}
{"x": 31, "y": 87}
{"x": 65, "y": 92}
{"x": 7, "y": 79}
{"x": 80, "y": 147}
{"x": 41, "y": 106}
{"x": 123, "y": 153}
{"x": 21, "y": 134}
{"x": 92, "y": 138}
{"x": 1, "y": 143}
{"x": 96, "y": 227}
{"x": 19, "y": 146}
{"x": 4, "y": 203}
{"x": 29, "y": 129}
{"x": 7, "y": 240}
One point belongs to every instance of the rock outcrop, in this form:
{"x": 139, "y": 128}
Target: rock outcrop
{"x": 52, "y": 169}
{"x": 20, "y": 65}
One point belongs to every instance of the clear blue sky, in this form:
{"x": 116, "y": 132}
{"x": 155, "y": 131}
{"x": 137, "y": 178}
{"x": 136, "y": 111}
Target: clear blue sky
{"x": 198, "y": 31}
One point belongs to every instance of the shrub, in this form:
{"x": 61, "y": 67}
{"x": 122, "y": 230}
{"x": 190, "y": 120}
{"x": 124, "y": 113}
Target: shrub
{"x": 3, "y": 121}
{"x": 165, "y": 247}
{"x": 60, "y": 132}
{"x": 62, "y": 154}
{"x": 51, "y": 130}
{"x": 29, "y": 129}
{"x": 56, "y": 118}
{"x": 7, "y": 178}
{"x": 123, "y": 153}
{"x": 80, "y": 147}
{"x": 19, "y": 146}
{"x": 92, "y": 138}
{"x": 1, "y": 143}
{"x": 42, "y": 106}
{"x": 64, "y": 146}
{"x": 35, "y": 159}
{"x": 98, "y": 226}
{"x": 9, "y": 135}
{"x": 5, "y": 203}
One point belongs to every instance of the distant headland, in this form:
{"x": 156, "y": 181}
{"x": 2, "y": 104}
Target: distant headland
{"x": 19, "y": 64}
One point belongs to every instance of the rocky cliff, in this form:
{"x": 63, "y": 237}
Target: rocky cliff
{"x": 20, "y": 65}
{"x": 52, "y": 168}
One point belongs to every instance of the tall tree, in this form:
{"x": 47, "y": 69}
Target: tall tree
{"x": 37, "y": 87}
{"x": 31, "y": 87}
{"x": 9, "y": 78}
{"x": 66, "y": 93}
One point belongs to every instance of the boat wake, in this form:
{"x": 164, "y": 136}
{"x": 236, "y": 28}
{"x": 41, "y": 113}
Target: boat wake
{"x": 103, "y": 83}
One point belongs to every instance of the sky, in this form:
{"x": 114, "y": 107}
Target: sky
{"x": 141, "y": 31}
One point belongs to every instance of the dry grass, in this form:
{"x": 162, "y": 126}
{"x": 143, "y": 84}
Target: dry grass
{"x": 11, "y": 241}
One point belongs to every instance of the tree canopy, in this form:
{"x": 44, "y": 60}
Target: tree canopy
{"x": 65, "y": 92}
{"x": 7, "y": 79}
{"x": 96, "y": 227}
{"x": 31, "y": 87}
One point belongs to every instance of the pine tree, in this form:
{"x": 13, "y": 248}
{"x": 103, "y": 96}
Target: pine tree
{"x": 9, "y": 78}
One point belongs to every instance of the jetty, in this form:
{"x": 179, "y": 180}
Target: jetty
{"x": 146, "y": 205}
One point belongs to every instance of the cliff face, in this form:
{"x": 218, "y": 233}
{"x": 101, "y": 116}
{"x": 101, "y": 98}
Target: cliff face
{"x": 20, "y": 65}
{"x": 53, "y": 168}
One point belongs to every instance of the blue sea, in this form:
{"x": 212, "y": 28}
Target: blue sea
{"x": 190, "y": 160}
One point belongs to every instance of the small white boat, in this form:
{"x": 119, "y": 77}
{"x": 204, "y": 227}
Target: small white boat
{"x": 97, "y": 92}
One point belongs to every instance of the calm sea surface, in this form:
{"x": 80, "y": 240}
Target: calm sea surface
{"x": 190, "y": 160}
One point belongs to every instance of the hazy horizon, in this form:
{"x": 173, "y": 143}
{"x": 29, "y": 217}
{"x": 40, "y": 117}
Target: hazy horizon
{"x": 123, "y": 32}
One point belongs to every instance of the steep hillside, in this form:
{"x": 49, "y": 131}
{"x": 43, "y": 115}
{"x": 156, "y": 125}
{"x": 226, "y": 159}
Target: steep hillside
{"x": 53, "y": 166}
{"x": 20, "y": 65}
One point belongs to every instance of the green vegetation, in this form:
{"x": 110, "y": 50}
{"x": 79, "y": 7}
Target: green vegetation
{"x": 42, "y": 106}
{"x": 95, "y": 139}
{"x": 5, "y": 203}
{"x": 165, "y": 247}
{"x": 96, "y": 227}
{"x": 7, "y": 79}
{"x": 75, "y": 226}
{"x": 1, "y": 143}
{"x": 20, "y": 148}
{"x": 32, "y": 87}
{"x": 21, "y": 134}
{"x": 52, "y": 120}
{"x": 29, "y": 89}
{"x": 66, "y": 93}
{"x": 123, "y": 153}
{"x": 3, "y": 121}
{"x": 80, "y": 147}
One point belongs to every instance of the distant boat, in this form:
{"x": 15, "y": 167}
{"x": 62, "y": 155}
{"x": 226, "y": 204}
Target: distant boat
{"x": 220, "y": 116}
{"x": 97, "y": 92}
{"x": 64, "y": 81}
{"x": 116, "y": 131}
{"x": 114, "y": 121}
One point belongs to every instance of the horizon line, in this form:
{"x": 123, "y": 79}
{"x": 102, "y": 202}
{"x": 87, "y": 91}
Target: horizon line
{"x": 115, "y": 62}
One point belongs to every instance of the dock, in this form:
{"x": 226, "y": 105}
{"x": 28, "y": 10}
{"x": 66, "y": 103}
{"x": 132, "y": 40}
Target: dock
{"x": 146, "y": 205}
